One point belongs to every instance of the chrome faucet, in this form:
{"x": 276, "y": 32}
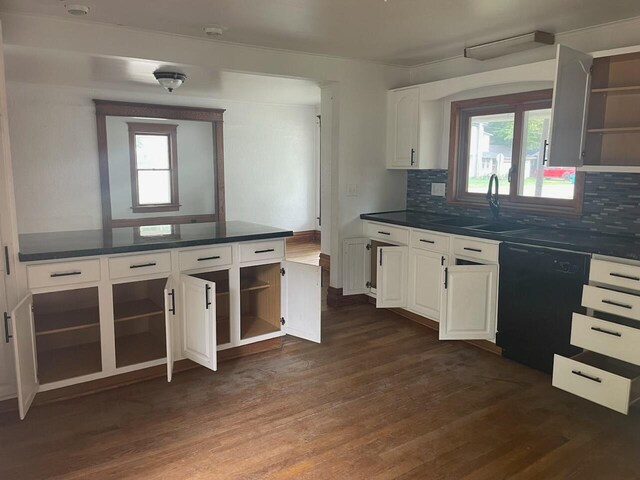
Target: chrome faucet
{"x": 494, "y": 198}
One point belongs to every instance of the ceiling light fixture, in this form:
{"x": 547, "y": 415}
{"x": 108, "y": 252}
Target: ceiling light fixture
{"x": 506, "y": 46}
{"x": 77, "y": 9}
{"x": 170, "y": 80}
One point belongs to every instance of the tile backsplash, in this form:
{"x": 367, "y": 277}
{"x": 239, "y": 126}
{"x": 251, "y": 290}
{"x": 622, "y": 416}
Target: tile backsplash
{"x": 611, "y": 203}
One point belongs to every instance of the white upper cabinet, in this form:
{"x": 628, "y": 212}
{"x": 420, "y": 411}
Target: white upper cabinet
{"x": 198, "y": 311}
{"x": 24, "y": 349}
{"x": 470, "y": 302}
{"x": 391, "y": 277}
{"x": 571, "y": 93}
{"x": 403, "y": 128}
{"x": 302, "y": 299}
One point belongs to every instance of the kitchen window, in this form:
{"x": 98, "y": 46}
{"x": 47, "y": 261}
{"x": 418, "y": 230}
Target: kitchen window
{"x": 508, "y": 136}
{"x": 154, "y": 170}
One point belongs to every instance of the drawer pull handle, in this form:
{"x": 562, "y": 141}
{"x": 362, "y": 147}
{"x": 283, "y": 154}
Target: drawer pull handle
{"x": 215, "y": 257}
{"x": 608, "y": 332}
{"x": 266, "y": 250}
{"x": 384, "y": 233}
{"x": 65, "y": 274}
{"x": 588, "y": 377}
{"x": 479, "y": 250}
{"x": 617, "y": 304}
{"x": 627, "y": 277}
{"x": 427, "y": 241}
{"x": 142, "y": 265}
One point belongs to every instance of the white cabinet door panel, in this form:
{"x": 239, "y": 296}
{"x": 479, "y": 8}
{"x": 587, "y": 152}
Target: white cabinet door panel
{"x": 170, "y": 319}
{"x": 24, "y": 349}
{"x": 426, "y": 274}
{"x": 356, "y": 266}
{"x": 571, "y": 93}
{"x": 7, "y": 367}
{"x": 470, "y": 303}
{"x": 391, "y": 280}
{"x": 404, "y": 117}
{"x": 198, "y": 311}
{"x": 302, "y": 300}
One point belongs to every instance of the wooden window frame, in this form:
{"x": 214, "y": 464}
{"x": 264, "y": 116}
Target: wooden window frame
{"x": 518, "y": 104}
{"x": 214, "y": 116}
{"x": 160, "y": 129}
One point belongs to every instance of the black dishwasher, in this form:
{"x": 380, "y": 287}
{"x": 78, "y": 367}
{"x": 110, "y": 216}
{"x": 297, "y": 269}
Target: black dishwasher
{"x": 540, "y": 288}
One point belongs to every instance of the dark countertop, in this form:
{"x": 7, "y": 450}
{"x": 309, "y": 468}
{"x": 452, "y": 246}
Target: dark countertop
{"x": 83, "y": 243}
{"x": 574, "y": 240}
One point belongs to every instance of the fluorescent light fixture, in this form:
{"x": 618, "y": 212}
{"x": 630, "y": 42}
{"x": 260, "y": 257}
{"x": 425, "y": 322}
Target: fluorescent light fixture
{"x": 506, "y": 46}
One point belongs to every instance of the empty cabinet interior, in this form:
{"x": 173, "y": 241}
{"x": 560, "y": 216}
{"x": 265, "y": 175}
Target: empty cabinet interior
{"x": 259, "y": 300}
{"x": 223, "y": 325}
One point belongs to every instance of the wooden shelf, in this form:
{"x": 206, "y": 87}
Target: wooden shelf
{"x": 135, "y": 309}
{"x": 69, "y": 362}
{"x": 139, "y": 348}
{"x": 629, "y": 90}
{"x": 252, "y": 284}
{"x": 51, "y": 323}
{"x": 252, "y": 326}
{"x": 615, "y": 130}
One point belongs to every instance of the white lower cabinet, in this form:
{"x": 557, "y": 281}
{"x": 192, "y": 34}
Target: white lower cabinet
{"x": 7, "y": 376}
{"x": 62, "y": 337}
{"x": 426, "y": 282}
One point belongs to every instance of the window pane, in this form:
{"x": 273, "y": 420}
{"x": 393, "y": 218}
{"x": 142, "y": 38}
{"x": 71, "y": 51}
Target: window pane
{"x": 152, "y": 151}
{"x": 154, "y": 187}
{"x": 490, "y": 150}
{"x": 156, "y": 230}
{"x": 535, "y": 179}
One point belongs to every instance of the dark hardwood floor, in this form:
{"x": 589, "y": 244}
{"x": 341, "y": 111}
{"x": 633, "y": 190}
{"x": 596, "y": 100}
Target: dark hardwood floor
{"x": 381, "y": 397}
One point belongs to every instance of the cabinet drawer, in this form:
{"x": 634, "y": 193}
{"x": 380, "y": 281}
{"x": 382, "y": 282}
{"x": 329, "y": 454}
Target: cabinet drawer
{"x": 615, "y": 274}
{"x": 602, "y": 380}
{"x": 134, "y": 265}
{"x": 65, "y": 273}
{"x": 434, "y": 242}
{"x": 256, "y": 251}
{"x": 611, "y": 339}
{"x": 610, "y": 301}
{"x": 474, "y": 248}
{"x": 205, "y": 257}
{"x": 388, "y": 233}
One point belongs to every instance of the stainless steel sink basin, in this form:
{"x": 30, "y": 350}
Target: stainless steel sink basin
{"x": 498, "y": 227}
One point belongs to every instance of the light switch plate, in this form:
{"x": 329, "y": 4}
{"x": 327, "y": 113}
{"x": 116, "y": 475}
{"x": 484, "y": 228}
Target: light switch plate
{"x": 352, "y": 190}
{"x": 438, "y": 189}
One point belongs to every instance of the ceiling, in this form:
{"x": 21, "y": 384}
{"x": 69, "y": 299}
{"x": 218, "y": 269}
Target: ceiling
{"x": 32, "y": 65}
{"x": 402, "y": 32}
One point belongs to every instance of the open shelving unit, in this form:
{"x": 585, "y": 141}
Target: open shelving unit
{"x": 138, "y": 313}
{"x": 259, "y": 300}
{"x": 613, "y": 127}
{"x": 67, "y": 328}
{"x": 223, "y": 325}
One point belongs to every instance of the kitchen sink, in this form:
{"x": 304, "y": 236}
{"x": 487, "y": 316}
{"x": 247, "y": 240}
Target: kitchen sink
{"x": 498, "y": 227}
{"x": 462, "y": 222}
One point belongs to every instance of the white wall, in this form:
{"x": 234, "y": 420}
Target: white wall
{"x": 270, "y": 158}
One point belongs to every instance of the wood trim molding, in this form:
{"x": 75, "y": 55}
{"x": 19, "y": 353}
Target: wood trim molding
{"x": 335, "y": 298}
{"x": 305, "y": 236}
{"x": 106, "y": 108}
{"x": 169, "y": 220}
{"x": 137, "y": 376}
{"x": 432, "y": 324}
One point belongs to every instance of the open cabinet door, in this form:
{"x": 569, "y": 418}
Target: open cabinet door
{"x": 571, "y": 92}
{"x": 198, "y": 311}
{"x": 392, "y": 277}
{"x": 24, "y": 350}
{"x": 470, "y": 300}
{"x": 356, "y": 258}
{"x": 302, "y": 291}
{"x": 170, "y": 320}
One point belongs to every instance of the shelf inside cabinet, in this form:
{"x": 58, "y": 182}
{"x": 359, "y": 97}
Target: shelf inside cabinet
{"x": 69, "y": 362}
{"x": 139, "y": 348}
{"x": 135, "y": 309}
{"x": 252, "y": 284}
{"x": 633, "y": 129}
{"x": 252, "y": 326}
{"x": 71, "y": 320}
{"x": 627, "y": 90}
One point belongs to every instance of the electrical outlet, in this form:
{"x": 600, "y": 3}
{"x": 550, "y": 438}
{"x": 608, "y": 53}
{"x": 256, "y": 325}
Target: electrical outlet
{"x": 438, "y": 189}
